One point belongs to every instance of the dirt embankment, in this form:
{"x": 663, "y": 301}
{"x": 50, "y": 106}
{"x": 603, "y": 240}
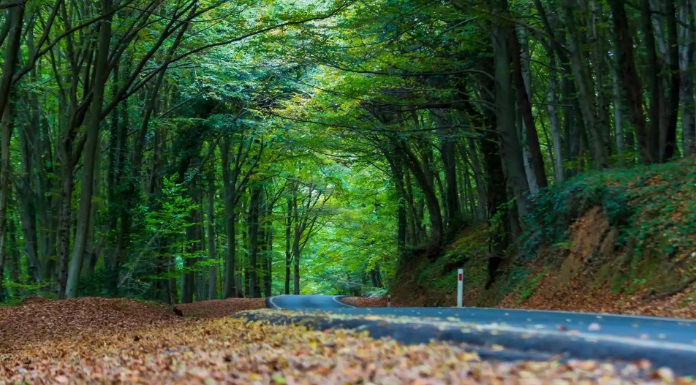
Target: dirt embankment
{"x": 593, "y": 277}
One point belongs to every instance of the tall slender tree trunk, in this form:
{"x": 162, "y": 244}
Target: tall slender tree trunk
{"x": 552, "y": 102}
{"x": 672, "y": 105}
{"x": 296, "y": 251}
{"x": 230, "y": 287}
{"x": 212, "y": 251}
{"x": 288, "y": 243}
{"x": 618, "y": 114}
{"x": 688, "y": 29}
{"x": 523, "y": 88}
{"x": 630, "y": 81}
{"x": 449, "y": 161}
{"x": 268, "y": 251}
{"x": 101, "y": 76}
{"x": 652, "y": 74}
{"x": 583, "y": 83}
{"x": 472, "y": 153}
{"x": 253, "y": 224}
{"x": 11, "y": 57}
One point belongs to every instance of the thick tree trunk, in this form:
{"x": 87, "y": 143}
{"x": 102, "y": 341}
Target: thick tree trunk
{"x": 11, "y": 56}
{"x": 511, "y": 149}
{"x": 7, "y": 123}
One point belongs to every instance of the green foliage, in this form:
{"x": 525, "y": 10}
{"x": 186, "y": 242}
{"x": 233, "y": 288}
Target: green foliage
{"x": 532, "y": 285}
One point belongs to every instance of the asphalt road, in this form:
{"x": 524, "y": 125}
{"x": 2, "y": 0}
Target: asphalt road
{"x": 634, "y": 327}
{"x": 307, "y": 302}
{"x": 665, "y": 341}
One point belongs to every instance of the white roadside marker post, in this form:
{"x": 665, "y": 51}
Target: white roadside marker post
{"x": 389, "y": 300}
{"x": 460, "y": 287}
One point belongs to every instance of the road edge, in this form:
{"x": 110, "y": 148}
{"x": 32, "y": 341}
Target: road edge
{"x": 497, "y": 342}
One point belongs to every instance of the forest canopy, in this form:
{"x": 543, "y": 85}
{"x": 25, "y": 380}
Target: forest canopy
{"x": 182, "y": 150}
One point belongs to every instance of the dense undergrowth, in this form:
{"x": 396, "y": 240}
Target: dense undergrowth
{"x": 617, "y": 240}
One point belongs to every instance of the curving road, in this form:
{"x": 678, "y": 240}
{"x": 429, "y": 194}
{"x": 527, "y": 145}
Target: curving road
{"x": 665, "y": 341}
{"x": 635, "y": 327}
{"x": 307, "y": 302}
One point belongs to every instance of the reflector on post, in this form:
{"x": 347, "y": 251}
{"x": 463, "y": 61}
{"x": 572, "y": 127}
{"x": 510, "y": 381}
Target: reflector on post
{"x": 460, "y": 288}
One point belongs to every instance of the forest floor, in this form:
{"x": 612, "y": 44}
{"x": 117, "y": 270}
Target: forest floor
{"x": 110, "y": 341}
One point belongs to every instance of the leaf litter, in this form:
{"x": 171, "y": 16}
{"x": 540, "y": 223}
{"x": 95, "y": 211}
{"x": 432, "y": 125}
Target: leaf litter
{"x": 100, "y": 341}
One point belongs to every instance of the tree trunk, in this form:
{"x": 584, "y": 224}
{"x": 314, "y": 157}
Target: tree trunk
{"x": 449, "y": 161}
{"x": 511, "y": 149}
{"x": 618, "y": 114}
{"x": 688, "y": 29}
{"x": 212, "y": 251}
{"x": 652, "y": 73}
{"x": 523, "y": 98}
{"x": 552, "y": 102}
{"x": 16, "y": 20}
{"x": 583, "y": 83}
{"x": 437, "y": 229}
{"x": 253, "y": 226}
{"x": 296, "y": 252}
{"x": 230, "y": 289}
{"x": 101, "y": 75}
{"x": 473, "y": 154}
{"x": 629, "y": 78}
{"x": 674, "y": 77}
{"x": 288, "y": 244}
{"x": 268, "y": 250}
{"x": 598, "y": 62}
